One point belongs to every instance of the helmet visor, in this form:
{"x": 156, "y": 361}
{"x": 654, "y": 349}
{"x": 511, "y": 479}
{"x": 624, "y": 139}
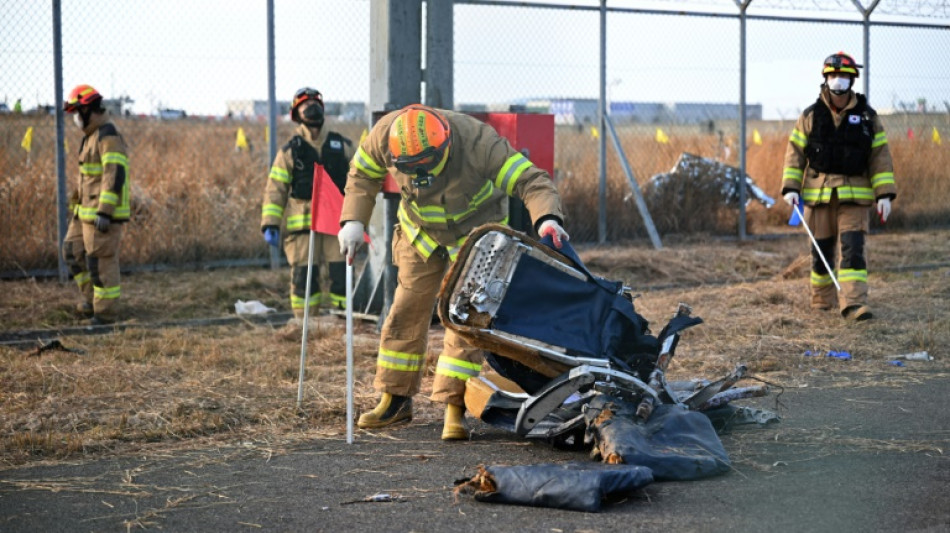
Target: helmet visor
{"x": 306, "y": 94}
{"x": 423, "y": 163}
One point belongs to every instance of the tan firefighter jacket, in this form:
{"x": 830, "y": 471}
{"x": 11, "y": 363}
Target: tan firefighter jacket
{"x": 863, "y": 188}
{"x": 103, "y": 172}
{"x": 278, "y": 203}
{"x": 482, "y": 170}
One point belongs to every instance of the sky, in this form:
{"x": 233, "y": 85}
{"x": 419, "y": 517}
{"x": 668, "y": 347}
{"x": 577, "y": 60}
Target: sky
{"x": 198, "y": 55}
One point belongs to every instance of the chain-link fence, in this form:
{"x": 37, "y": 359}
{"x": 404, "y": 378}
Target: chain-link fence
{"x": 188, "y": 83}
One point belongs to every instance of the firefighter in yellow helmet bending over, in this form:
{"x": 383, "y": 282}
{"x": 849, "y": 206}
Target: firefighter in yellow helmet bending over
{"x": 455, "y": 174}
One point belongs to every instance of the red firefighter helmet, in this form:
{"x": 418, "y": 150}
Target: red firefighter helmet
{"x": 419, "y": 139}
{"x": 81, "y": 95}
{"x": 840, "y": 63}
{"x": 302, "y": 96}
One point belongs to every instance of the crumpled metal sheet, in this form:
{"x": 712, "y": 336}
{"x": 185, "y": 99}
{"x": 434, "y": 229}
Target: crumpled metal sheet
{"x": 574, "y": 486}
{"x": 708, "y": 176}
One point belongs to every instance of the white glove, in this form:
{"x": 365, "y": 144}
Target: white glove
{"x": 350, "y": 237}
{"x": 791, "y": 198}
{"x": 884, "y": 208}
{"x": 552, "y": 228}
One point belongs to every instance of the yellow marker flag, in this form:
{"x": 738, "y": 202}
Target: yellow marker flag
{"x": 27, "y": 143}
{"x": 756, "y": 138}
{"x": 594, "y": 133}
{"x": 266, "y": 134}
{"x": 240, "y": 143}
{"x": 661, "y": 137}
{"x": 936, "y": 136}
{"x": 363, "y": 135}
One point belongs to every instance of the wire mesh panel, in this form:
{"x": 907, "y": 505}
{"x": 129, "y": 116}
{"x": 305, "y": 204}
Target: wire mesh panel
{"x": 187, "y": 86}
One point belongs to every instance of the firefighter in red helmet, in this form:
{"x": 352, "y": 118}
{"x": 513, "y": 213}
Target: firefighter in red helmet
{"x": 287, "y": 199}
{"x": 100, "y": 209}
{"x": 455, "y": 173}
{"x": 838, "y": 164}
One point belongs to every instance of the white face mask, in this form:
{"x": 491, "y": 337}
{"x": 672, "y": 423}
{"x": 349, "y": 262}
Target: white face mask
{"x": 77, "y": 120}
{"x": 839, "y": 85}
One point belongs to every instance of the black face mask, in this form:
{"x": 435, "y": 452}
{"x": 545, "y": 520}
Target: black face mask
{"x": 312, "y": 116}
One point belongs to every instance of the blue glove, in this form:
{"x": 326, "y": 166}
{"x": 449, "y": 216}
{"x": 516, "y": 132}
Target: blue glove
{"x": 272, "y": 235}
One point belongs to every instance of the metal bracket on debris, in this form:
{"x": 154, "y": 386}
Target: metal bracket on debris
{"x": 561, "y": 388}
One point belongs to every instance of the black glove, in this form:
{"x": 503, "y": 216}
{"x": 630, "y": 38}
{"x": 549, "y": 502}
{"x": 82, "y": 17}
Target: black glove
{"x": 102, "y": 222}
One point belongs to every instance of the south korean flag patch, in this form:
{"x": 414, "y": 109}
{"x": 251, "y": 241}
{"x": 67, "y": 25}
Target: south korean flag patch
{"x": 854, "y": 119}
{"x": 337, "y": 145}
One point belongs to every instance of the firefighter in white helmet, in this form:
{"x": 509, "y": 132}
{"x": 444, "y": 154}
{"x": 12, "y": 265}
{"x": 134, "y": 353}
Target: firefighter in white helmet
{"x": 455, "y": 173}
{"x": 838, "y": 165}
{"x": 102, "y": 207}
{"x": 287, "y": 196}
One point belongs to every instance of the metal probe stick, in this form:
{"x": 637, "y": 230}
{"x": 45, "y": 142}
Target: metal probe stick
{"x": 801, "y": 215}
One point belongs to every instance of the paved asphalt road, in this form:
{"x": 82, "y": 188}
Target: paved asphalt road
{"x": 849, "y": 455}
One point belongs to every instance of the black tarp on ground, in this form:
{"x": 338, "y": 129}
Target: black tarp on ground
{"x": 676, "y": 444}
{"x": 573, "y": 486}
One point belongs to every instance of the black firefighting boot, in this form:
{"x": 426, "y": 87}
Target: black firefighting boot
{"x": 391, "y": 409}
{"x": 453, "y": 428}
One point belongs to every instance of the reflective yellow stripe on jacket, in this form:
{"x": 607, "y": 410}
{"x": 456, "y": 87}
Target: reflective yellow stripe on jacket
{"x": 798, "y": 138}
{"x": 421, "y": 240}
{"x": 366, "y": 165}
{"x": 513, "y": 168}
{"x": 298, "y": 222}
{"x": 122, "y": 199}
{"x": 846, "y": 193}
{"x": 436, "y": 214}
{"x": 792, "y": 173}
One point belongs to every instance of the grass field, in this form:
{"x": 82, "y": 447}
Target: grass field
{"x": 149, "y": 390}
{"x": 196, "y": 199}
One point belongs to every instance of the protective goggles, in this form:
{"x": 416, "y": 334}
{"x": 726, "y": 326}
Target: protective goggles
{"x": 420, "y": 166}
{"x": 838, "y": 62}
{"x": 306, "y": 94}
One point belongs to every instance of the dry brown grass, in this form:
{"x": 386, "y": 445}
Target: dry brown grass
{"x": 196, "y": 199}
{"x": 920, "y": 170}
{"x": 153, "y": 390}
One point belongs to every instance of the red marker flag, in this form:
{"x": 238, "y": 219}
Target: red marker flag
{"x": 326, "y": 204}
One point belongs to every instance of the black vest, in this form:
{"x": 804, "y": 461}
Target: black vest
{"x": 845, "y": 149}
{"x": 305, "y": 156}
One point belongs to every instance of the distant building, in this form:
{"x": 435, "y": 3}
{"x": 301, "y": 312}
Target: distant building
{"x": 258, "y": 109}
{"x": 580, "y": 111}
{"x": 572, "y": 112}
{"x": 118, "y": 106}
{"x": 698, "y": 112}
{"x": 639, "y": 112}
{"x": 254, "y": 109}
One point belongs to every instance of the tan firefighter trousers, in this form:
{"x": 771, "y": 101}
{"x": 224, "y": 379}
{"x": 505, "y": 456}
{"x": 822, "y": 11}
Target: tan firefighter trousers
{"x": 404, "y": 340}
{"x": 102, "y": 261}
{"x": 74, "y": 254}
{"x": 840, "y": 230}
{"x": 326, "y": 258}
